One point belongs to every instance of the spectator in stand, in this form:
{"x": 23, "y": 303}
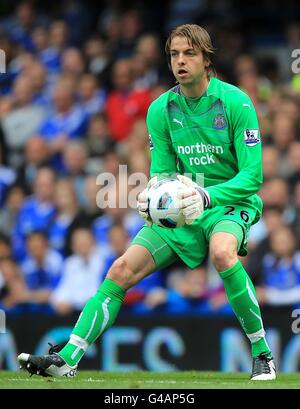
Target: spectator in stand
{"x": 58, "y": 36}
{"x": 98, "y": 140}
{"x": 289, "y": 106}
{"x": 42, "y": 268}
{"x": 15, "y": 197}
{"x": 22, "y": 121}
{"x": 183, "y": 11}
{"x": 82, "y": 274}
{"x": 138, "y": 139}
{"x": 249, "y": 83}
{"x": 5, "y": 246}
{"x": 20, "y": 26}
{"x": 275, "y": 195}
{"x": 139, "y": 163}
{"x": 259, "y": 239}
{"x": 271, "y": 162}
{"x": 141, "y": 78}
{"x": 78, "y": 16}
{"x": 130, "y": 29}
{"x": 112, "y": 161}
{"x": 293, "y": 159}
{"x": 280, "y": 275}
{"x": 41, "y": 272}
{"x": 87, "y": 213}
{"x": 284, "y": 131}
{"x": 275, "y": 192}
{"x": 91, "y": 97}
{"x": 75, "y": 157}
{"x": 66, "y": 123}
{"x": 98, "y": 59}
{"x": 36, "y": 213}
{"x": 296, "y": 221}
{"x": 6, "y": 78}
{"x": 20, "y": 64}
{"x": 110, "y": 29}
{"x": 6, "y": 105}
{"x": 36, "y": 156}
{"x": 91, "y": 190}
{"x": 7, "y": 178}
{"x": 148, "y": 55}
{"x": 257, "y": 86}
{"x": 37, "y": 75}
{"x": 115, "y": 205}
{"x": 13, "y": 290}
{"x": 72, "y": 62}
{"x": 124, "y": 104}
{"x": 137, "y": 148}
{"x": 118, "y": 241}
{"x": 186, "y": 292}
{"x": 47, "y": 55}
{"x": 67, "y": 209}
{"x": 49, "y": 46}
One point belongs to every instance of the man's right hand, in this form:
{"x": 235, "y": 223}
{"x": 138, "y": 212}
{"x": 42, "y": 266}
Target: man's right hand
{"x": 142, "y": 202}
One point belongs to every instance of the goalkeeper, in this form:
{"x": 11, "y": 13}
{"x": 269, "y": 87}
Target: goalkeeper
{"x": 202, "y": 126}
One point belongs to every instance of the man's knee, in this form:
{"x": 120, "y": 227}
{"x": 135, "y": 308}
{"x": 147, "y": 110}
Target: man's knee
{"x": 121, "y": 273}
{"x": 223, "y": 251}
{"x": 134, "y": 265}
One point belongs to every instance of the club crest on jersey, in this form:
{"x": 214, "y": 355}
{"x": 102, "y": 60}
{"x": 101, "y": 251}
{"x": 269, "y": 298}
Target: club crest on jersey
{"x": 150, "y": 143}
{"x": 251, "y": 137}
{"x": 219, "y": 122}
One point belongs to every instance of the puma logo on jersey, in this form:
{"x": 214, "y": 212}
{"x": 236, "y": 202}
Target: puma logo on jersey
{"x": 178, "y": 122}
{"x": 247, "y": 105}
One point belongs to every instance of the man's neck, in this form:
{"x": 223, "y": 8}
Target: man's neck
{"x": 40, "y": 260}
{"x": 196, "y": 90}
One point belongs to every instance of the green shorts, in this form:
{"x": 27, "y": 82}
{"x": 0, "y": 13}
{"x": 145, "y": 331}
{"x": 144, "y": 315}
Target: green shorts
{"x": 190, "y": 243}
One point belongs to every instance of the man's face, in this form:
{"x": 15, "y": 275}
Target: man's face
{"x": 122, "y": 74}
{"x": 188, "y": 64}
{"x": 82, "y": 242}
{"x": 44, "y": 185}
{"x": 37, "y": 246}
{"x": 62, "y": 98}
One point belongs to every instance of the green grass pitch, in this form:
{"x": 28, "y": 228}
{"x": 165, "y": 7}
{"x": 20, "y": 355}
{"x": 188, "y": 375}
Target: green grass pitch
{"x": 146, "y": 380}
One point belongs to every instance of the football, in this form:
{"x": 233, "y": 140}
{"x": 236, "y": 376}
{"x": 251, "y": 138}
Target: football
{"x": 164, "y": 204}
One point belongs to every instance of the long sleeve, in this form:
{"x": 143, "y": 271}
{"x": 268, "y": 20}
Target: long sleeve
{"x": 163, "y": 157}
{"x": 248, "y": 150}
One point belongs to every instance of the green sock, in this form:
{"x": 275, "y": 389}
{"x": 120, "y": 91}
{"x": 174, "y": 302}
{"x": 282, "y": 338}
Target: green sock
{"x": 98, "y": 315}
{"x": 242, "y": 298}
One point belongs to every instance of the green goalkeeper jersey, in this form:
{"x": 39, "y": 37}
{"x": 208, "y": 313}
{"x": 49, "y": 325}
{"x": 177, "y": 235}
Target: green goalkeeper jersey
{"x": 215, "y": 139}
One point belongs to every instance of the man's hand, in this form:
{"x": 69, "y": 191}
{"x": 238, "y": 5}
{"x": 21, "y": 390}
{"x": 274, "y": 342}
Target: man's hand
{"x": 193, "y": 199}
{"x": 142, "y": 202}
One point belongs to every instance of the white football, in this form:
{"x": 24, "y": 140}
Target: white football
{"x": 164, "y": 203}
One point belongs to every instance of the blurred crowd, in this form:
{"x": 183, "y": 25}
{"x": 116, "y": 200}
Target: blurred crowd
{"x": 73, "y": 103}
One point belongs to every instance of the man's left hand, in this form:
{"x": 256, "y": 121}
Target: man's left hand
{"x": 193, "y": 199}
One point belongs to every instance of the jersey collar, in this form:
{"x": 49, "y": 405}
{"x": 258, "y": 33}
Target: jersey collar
{"x": 212, "y": 86}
